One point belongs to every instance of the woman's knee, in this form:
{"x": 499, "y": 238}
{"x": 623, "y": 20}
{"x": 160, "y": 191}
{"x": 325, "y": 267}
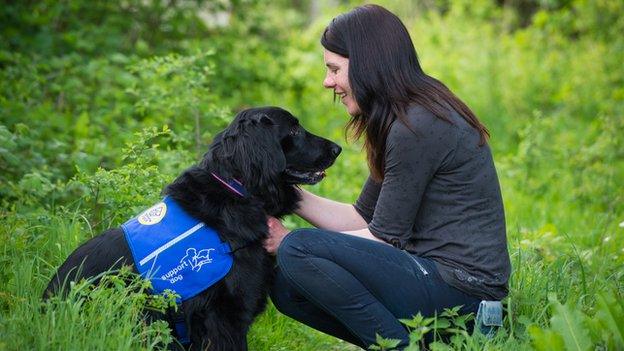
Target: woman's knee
{"x": 300, "y": 245}
{"x": 294, "y": 243}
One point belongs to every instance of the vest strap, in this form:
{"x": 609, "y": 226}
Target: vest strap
{"x": 182, "y": 332}
{"x": 224, "y": 248}
{"x": 178, "y": 322}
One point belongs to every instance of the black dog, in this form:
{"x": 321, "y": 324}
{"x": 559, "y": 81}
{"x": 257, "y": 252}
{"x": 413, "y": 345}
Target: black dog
{"x": 270, "y": 154}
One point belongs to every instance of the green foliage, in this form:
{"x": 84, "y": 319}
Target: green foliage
{"x": 546, "y": 340}
{"x": 418, "y": 327}
{"x": 109, "y": 197}
{"x": 384, "y": 344}
{"x": 95, "y": 28}
{"x": 572, "y": 329}
{"x": 566, "y": 321}
{"x": 116, "y": 304}
{"x": 608, "y": 324}
{"x": 449, "y": 329}
{"x": 103, "y": 103}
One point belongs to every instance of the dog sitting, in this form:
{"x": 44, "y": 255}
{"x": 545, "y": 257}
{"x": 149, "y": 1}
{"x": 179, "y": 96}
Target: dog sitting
{"x": 251, "y": 171}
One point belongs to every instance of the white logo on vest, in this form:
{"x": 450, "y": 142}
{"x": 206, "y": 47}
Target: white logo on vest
{"x": 197, "y": 259}
{"x": 153, "y": 214}
{"x": 192, "y": 259}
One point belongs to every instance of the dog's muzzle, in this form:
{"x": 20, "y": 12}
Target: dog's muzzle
{"x": 294, "y": 176}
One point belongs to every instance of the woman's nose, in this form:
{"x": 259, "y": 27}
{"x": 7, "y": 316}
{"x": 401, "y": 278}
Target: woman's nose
{"x": 328, "y": 82}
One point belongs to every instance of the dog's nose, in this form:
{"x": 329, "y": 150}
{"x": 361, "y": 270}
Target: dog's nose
{"x": 336, "y": 150}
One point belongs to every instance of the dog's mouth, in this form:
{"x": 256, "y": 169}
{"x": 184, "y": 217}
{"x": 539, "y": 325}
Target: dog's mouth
{"x": 295, "y": 176}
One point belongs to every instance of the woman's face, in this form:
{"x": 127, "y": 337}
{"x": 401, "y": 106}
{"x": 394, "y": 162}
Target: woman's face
{"x": 337, "y": 78}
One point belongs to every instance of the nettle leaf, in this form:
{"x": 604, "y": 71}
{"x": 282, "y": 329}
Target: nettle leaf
{"x": 451, "y": 312}
{"x": 439, "y": 346}
{"x": 567, "y": 321}
{"x": 441, "y": 323}
{"x": 386, "y": 344}
{"x": 411, "y": 323}
{"x": 460, "y": 321}
{"x": 545, "y": 340}
{"x": 417, "y": 335}
{"x": 412, "y": 347}
{"x": 417, "y": 321}
{"x": 611, "y": 315}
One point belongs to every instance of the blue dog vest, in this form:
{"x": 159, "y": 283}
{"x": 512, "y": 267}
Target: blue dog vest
{"x": 176, "y": 251}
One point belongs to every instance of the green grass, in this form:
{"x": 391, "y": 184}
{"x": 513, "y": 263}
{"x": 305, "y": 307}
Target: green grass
{"x": 552, "y": 94}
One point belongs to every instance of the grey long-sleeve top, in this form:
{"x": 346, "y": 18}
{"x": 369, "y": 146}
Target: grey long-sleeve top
{"x": 440, "y": 199}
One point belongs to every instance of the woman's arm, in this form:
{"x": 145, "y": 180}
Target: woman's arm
{"x": 277, "y": 232}
{"x": 324, "y": 214}
{"x": 366, "y": 234}
{"x": 328, "y": 214}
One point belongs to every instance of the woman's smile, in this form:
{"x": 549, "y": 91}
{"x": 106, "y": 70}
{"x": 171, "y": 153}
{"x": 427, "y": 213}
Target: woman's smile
{"x": 337, "y": 78}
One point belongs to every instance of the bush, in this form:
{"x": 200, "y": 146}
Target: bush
{"x": 103, "y": 103}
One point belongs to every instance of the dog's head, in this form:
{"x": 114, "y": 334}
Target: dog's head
{"x": 269, "y": 151}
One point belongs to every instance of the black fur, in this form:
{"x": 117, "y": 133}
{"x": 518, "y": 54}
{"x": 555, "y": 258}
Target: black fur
{"x": 270, "y": 153}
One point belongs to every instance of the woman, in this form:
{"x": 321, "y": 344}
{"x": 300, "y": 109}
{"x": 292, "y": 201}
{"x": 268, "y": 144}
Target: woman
{"x": 427, "y": 231}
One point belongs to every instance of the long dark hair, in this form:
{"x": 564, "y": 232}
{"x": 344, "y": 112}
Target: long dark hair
{"x": 385, "y": 78}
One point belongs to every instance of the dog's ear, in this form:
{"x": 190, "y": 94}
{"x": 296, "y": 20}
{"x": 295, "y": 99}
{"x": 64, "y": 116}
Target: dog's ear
{"x": 250, "y": 150}
{"x": 255, "y": 119}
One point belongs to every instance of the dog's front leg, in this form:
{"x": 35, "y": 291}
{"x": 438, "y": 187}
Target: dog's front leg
{"x": 217, "y": 331}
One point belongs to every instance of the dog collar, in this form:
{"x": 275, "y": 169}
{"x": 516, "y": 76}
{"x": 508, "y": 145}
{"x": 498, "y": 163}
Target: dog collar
{"x": 232, "y": 185}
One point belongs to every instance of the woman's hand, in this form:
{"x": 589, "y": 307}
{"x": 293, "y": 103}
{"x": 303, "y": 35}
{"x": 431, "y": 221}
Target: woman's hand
{"x": 277, "y": 232}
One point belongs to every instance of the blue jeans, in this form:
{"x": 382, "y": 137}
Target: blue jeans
{"x": 352, "y": 288}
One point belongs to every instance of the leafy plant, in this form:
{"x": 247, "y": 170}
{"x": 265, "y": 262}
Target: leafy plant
{"x": 449, "y": 326}
{"x": 573, "y": 329}
{"x": 86, "y": 88}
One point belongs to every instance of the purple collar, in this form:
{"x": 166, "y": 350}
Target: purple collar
{"x": 232, "y": 185}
